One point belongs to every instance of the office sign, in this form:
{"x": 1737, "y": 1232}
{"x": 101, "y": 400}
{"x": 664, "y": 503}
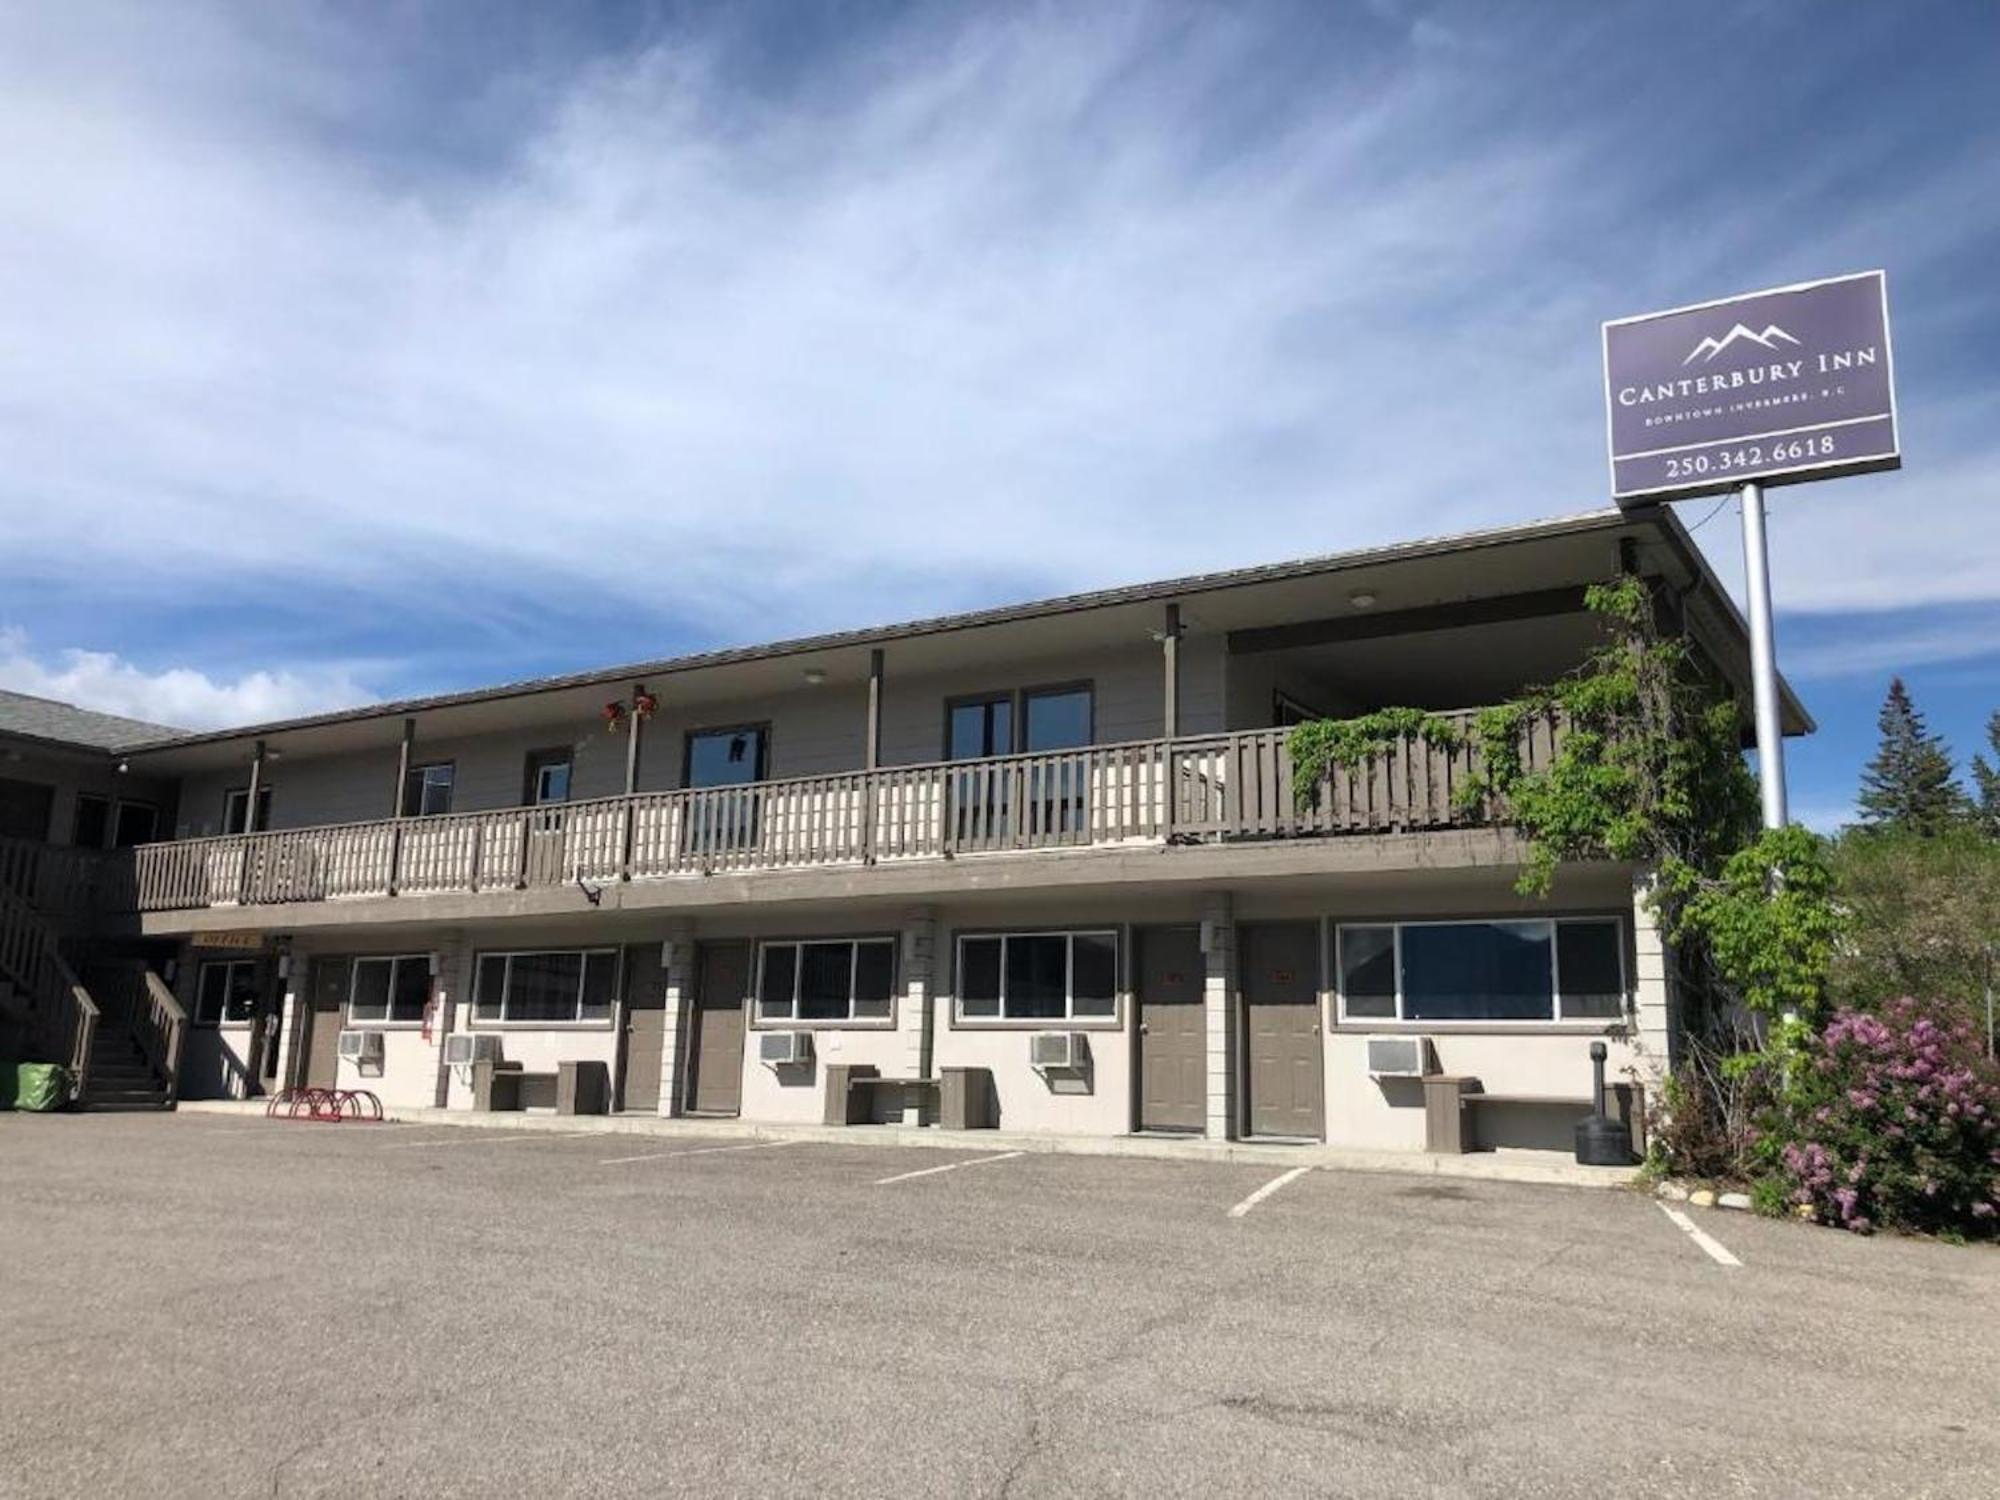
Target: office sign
{"x": 1791, "y": 384}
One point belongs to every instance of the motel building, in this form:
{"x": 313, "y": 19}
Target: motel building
{"x": 1042, "y": 868}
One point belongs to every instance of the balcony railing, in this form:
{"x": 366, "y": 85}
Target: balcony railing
{"x": 1209, "y": 789}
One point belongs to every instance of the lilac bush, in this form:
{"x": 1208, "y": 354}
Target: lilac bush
{"x": 1891, "y": 1119}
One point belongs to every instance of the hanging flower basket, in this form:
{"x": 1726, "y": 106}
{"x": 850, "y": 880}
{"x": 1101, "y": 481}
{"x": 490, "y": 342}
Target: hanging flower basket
{"x": 614, "y": 716}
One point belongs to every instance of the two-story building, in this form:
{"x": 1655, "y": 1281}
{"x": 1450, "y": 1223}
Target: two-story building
{"x": 1054, "y": 848}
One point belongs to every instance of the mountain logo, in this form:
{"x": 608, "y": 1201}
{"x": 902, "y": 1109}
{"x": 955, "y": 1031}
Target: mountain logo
{"x": 1770, "y": 338}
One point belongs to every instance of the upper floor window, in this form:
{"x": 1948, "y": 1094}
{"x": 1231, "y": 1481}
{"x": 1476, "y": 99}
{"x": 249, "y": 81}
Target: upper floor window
{"x": 427, "y": 790}
{"x": 548, "y": 777}
{"x": 558, "y": 987}
{"x": 727, "y": 757}
{"x": 1038, "y": 976}
{"x": 848, "y": 979}
{"x": 1055, "y": 718}
{"x": 26, "y": 808}
{"x": 236, "y": 803}
{"x": 136, "y": 823}
{"x": 226, "y": 990}
{"x": 389, "y": 991}
{"x": 92, "y": 822}
{"x": 1567, "y": 969}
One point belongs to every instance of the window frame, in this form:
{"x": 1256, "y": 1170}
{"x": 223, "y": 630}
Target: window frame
{"x": 115, "y": 831}
{"x": 760, "y": 1022}
{"x": 1016, "y": 698}
{"x": 577, "y": 1022}
{"x": 395, "y": 962}
{"x": 222, "y": 1021}
{"x": 229, "y": 799}
{"x": 107, "y": 825}
{"x": 760, "y": 727}
{"x": 415, "y": 781}
{"x": 537, "y": 762}
{"x": 1556, "y": 1020}
{"x": 1069, "y": 1020}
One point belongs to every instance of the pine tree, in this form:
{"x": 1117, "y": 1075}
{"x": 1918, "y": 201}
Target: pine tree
{"x": 1986, "y": 777}
{"x": 1910, "y": 785}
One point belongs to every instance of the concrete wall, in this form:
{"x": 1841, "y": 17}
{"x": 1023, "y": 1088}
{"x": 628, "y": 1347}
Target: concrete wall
{"x": 1359, "y": 1111}
{"x": 812, "y": 731}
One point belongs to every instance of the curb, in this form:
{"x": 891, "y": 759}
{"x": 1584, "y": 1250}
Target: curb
{"x": 1674, "y": 1192}
{"x": 1481, "y": 1167}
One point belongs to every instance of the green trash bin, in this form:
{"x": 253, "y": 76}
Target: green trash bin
{"x": 40, "y": 1086}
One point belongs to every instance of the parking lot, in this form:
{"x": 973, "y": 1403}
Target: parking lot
{"x": 215, "y": 1305}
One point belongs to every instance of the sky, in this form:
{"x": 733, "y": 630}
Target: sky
{"x": 373, "y": 349}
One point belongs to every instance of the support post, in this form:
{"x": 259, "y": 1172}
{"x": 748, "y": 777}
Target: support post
{"x": 633, "y": 735}
{"x": 401, "y": 806}
{"x": 1170, "y": 719}
{"x": 872, "y": 756}
{"x": 256, "y": 784}
{"x": 1763, "y": 659}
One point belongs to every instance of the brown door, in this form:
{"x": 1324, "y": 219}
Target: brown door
{"x": 325, "y": 1002}
{"x": 1280, "y": 979}
{"x": 1173, "y": 1031}
{"x": 715, "y": 1055}
{"x": 645, "y": 1027}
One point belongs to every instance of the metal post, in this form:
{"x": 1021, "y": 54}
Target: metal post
{"x": 1170, "y": 718}
{"x": 402, "y": 804}
{"x": 632, "y": 736}
{"x": 256, "y": 783}
{"x": 872, "y": 755}
{"x": 1763, "y": 659}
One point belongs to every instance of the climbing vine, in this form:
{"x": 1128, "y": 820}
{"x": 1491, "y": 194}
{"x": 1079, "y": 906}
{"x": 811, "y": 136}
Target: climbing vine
{"x": 1647, "y": 769}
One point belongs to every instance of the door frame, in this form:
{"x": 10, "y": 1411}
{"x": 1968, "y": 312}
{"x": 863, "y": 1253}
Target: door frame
{"x": 301, "y": 1069}
{"x": 1134, "y": 940}
{"x": 690, "y": 1069}
{"x": 1240, "y": 1074}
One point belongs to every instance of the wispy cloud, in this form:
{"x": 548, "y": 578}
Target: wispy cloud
{"x": 987, "y": 301}
{"x": 178, "y": 696}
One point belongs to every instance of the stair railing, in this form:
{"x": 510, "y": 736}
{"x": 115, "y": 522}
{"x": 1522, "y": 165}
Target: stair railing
{"x": 161, "y": 1024}
{"x": 64, "y": 1016}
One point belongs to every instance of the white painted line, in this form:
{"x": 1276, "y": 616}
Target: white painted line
{"x": 1266, "y": 1190}
{"x": 619, "y": 1161}
{"x": 977, "y": 1161}
{"x": 1717, "y": 1252}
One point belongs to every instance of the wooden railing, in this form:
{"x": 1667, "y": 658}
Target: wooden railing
{"x": 1214, "y": 788}
{"x": 132, "y": 999}
{"x": 59, "y": 1018}
{"x": 59, "y": 880}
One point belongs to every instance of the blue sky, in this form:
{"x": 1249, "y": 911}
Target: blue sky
{"x": 361, "y": 350}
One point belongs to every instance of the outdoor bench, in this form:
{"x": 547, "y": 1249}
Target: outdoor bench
{"x": 1451, "y": 1103}
{"x": 958, "y": 1098}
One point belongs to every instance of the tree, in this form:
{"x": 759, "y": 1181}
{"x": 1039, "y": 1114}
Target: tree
{"x": 1924, "y": 913}
{"x": 1986, "y": 777}
{"x": 1910, "y": 785}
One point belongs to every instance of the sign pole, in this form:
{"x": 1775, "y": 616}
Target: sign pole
{"x": 1763, "y": 658}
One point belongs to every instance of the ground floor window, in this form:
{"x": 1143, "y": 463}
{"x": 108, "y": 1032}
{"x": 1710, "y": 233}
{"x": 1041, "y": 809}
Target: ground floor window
{"x": 1562, "y": 969}
{"x": 389, "y": 991}
{"x": 559, "y": 987}
{"x": 226, "y": 989}
{"x": 849, "y": 979}
{"x": 1038, "y": 976}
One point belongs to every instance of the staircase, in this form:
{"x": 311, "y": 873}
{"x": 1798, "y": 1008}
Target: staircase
{"x": 122, "y": 1076}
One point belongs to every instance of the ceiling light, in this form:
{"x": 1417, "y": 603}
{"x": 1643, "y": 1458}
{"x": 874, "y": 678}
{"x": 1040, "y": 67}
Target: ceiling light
{"x": 1361, "y": 599}
{"x": 815, "y": 676}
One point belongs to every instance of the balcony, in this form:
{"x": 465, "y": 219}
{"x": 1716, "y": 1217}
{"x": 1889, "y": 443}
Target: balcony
{"x": 1219, "y": 789}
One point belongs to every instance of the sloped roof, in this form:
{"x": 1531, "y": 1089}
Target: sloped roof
{"x": 66, "y": 724}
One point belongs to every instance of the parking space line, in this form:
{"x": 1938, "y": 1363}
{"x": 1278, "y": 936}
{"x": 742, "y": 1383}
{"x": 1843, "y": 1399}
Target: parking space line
{"x": 1266, "y": 1190}
{"x": 977, "y": 1161}
{"x": 619, "y": 1161}
{"x": 1717, "y": 1252}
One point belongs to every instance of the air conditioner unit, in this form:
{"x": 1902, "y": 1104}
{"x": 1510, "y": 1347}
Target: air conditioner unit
{"x": 785, "y": 1049}
{"x": 1055, "y": 1051}
{"x": 361, "y": 1046}
{"x": 1399, "y": 1057}
{"x": 464, "y": 1048}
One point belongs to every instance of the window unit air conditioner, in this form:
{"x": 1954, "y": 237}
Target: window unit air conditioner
{"x": 1399, "y": 1057}
{"x": 464, "y": 1048}
{"x": 785, "y": 1049}
{"x": 361, "y": 1046}
{"x": 1057, "y": 1051}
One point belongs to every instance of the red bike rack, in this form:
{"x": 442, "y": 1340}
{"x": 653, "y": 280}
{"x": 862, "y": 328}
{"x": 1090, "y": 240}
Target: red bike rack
{"x": 326, "y": 1106}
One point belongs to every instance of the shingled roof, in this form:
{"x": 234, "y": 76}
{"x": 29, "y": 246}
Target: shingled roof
{"x": 66, "y": 724}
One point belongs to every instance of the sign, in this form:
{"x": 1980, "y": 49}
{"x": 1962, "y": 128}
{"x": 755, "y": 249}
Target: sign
{"x": 230, "y": 938}
{"x": 1791, "y": 384}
